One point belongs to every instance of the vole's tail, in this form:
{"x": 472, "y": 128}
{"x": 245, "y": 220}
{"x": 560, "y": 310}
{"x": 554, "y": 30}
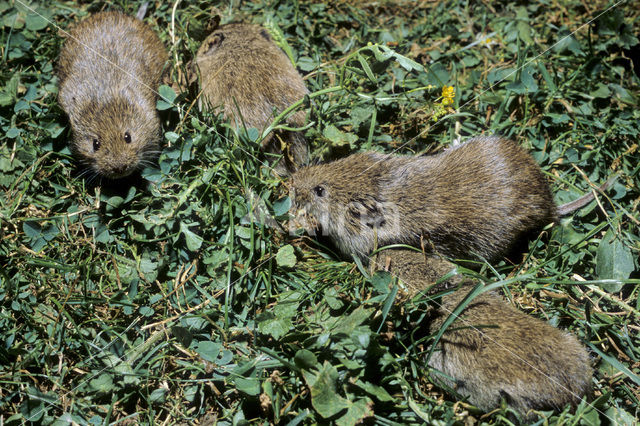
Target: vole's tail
{"x": 574, "y": 205}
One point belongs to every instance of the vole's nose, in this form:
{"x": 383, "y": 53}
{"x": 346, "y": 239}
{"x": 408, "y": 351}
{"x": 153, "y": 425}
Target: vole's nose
{"x": 120, "y": 169}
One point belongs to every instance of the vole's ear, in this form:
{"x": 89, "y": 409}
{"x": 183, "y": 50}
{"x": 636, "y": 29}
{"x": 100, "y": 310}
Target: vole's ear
{"x": 214, "y": 22}
{"x": 213, "y": 43}
{"x": 368, "y": 212}
{"x": 265, "y": 34}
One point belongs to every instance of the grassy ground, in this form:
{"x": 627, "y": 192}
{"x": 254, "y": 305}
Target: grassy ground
{"x": 160, "y": 300}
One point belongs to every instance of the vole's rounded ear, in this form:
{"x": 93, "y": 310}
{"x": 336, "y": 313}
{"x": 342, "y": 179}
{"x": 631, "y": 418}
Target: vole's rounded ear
{"x": 265, "y": 34}
{"x": 213, "y": 23}
{"x": 213, "y": 43}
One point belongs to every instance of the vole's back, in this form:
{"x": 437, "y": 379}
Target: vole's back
{"x": 249, "y": 76}
{"x": 478, "y": 198}
{"x": 106, "y": 53}
{"x": 492, "y": 351}
{"x": 496, "y": 352}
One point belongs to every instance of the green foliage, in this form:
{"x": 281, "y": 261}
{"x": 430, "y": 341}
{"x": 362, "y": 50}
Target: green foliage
{"x": 171, "y": 299}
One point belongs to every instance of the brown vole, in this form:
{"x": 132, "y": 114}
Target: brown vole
{"x": 474, "y": 200}
{"x": 492, "y": 351}
{"x": 245, "y": 72}
{"x": 109, "y": 69}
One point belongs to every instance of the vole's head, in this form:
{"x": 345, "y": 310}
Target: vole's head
{"x": 341, "y": 199}
{"x": 116, "y": 137}
{"x": 234, "y": 35}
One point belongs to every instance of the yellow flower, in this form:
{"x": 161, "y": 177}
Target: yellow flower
{"x": 448, "y": 93}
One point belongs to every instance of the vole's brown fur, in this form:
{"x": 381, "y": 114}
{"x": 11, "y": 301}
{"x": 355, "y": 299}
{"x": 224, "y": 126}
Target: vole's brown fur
{"x": 109, "y": 70}
{"x": 243, "y": 71}
{"x": 492, "y": 351}
{"x": 475, "y": 200}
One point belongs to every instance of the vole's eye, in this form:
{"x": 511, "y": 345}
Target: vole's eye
{"x": 319, "y": 191}
{"x": 96, "y": 144}
{"x": 127, "y": 137}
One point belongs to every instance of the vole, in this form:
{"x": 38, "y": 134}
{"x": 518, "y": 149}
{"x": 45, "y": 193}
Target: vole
{"x": 109, "y": 69}
{"x": 243, "y": 71}
{"x": 493, "y": 351}
{"x": 472, "y": 201}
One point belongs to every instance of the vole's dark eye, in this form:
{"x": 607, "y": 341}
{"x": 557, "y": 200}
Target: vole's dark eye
{"x": 96, "y": 144}
{"x": 127, "y": 137}
{"x": 319, "y": 191}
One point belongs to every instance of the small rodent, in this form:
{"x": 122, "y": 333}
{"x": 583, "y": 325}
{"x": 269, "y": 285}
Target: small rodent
{"x": 109, "y": 69}
{"x": 475, "y": 200}
{"x": 493, "y": 351}
{"x": 250, "y": 77}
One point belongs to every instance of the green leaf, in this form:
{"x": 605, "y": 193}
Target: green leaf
{"x": 305, "y": 359}
{"x": 193, "y": 240}
{"x": 524, "y": 30}
{"x": 171, "y": 136}
{"x": 381, "y": 281}
{"x": 356, "y": 413}
{"x": 348, "y": 325}
{"x": 183, "y": 335}
{"x": 282, "y": 206}
{"x": 167, "y": 97}
{"x": 614, "y": 261}
{"x": 601, "y": 91}
{"x": 367, "y": 69}
{"x": 13, "y": 133}
{"x": 10, "y": 91}
{"x": 249, "y": 386}
{"x": 623, "y": 94}
{"x": 209, "y": 351}
{"x": 619, "y": 416}
{"x": 32, "y": 228}
{"x": 103, "y": 383}
{"x": 324, "y": 396}
{"x": 158, "y": 396}
{"x": 36, "y": 22}
{"x": 146, "y": 311}
{"x": 34, "y": 407}
{"x": 528, "y": 80}
{"x": 278, "y": 38}
{"x": 5, "y": 98}
{"x": 273, "y": 325}
{"x": 331, "y": 297}
{"x": 338, "y": 137}
{"x": 437, "y": 74}
{"x": 374, "y": 390}
{"x": 149, "y": 266}
{"x": 286, "y": 257}
{"x": 416, "y": 409}
{"x": 406, "y": 63}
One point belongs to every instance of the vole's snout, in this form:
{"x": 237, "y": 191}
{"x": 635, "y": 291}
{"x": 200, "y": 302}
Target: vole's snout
{"x": 302, "y": 219}
{"x": 119, "y": 169}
